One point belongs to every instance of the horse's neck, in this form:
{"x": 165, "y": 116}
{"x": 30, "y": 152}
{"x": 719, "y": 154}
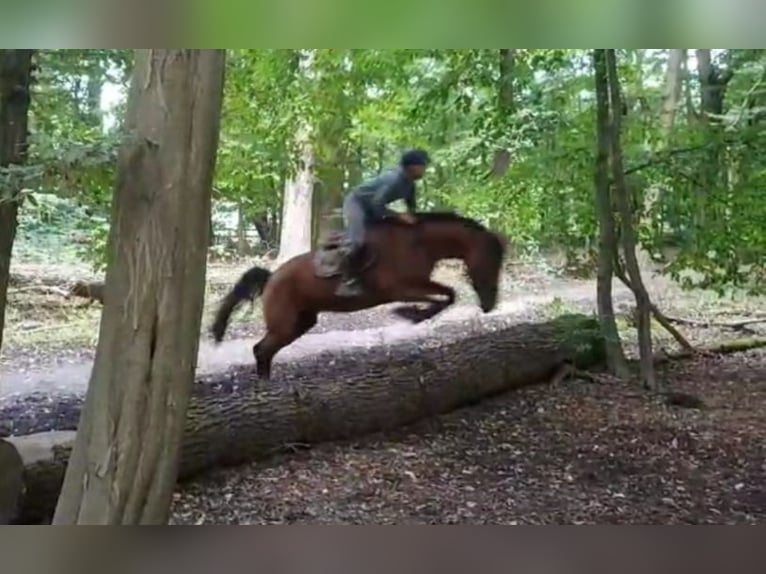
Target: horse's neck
{"x": 445, "y": 243}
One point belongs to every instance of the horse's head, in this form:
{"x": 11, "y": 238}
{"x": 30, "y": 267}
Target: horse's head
{"x": 481, "y": 249}
{"x": 484, "y": 262}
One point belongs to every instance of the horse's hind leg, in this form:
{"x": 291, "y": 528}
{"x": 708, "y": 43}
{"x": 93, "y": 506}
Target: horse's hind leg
{"x": 263, "y": 352}
{"x": 272, "y": 342}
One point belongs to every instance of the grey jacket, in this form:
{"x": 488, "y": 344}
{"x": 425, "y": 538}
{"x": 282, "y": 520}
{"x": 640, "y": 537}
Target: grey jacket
{"x": 376, "y": 193}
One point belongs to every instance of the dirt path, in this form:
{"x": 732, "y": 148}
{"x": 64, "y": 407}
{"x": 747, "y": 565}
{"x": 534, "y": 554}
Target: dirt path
{"x": 73, "y": 378}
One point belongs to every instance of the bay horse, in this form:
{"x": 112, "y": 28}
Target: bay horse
{"x": 398, "y": 262}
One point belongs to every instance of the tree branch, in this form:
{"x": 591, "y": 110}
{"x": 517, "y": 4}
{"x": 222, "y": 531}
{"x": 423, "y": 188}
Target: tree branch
{"x": 665, "y": 156}
{"x": 734, "y": 325}
{"x": 661, "y": 318}
{"x": 46, "y": 289}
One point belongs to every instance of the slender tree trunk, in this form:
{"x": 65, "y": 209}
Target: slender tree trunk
{"x": 713, "y": 82}
{"x": 241, "y": 230}
{"x": 125, "y": 460}
{"x": 691, "y": 111}
{"x": 328, "y": 197}
{"x": 265, "y": 225}
{"x": 279, "y": 211}
{"x": 94, "y": 87}
{"x": 381, "y": 156}
{"x": 672, "y": 89}
{"x": 607, "y": 251}
{"x": 355, "y": 167}
{"x": 295, "y": 235}
{"x": 338, "y": 160}
{"x": 502, "y": 158}
{"x": 316, "y": 210}
{"x": 210, "y": 230}
{"x": 671, "y": 103}
{"x": 627, "y": 231}
{"x": 15, "y": 78}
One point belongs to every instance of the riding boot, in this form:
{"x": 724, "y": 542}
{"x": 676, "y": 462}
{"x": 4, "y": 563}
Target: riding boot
{"x": 351, "y": 285}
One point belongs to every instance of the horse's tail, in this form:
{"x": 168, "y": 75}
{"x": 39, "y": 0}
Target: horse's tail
{"x": 249, "y": 286}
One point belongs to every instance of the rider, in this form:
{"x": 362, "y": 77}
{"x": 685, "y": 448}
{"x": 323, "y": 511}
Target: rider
{"x": 368, "y": 202}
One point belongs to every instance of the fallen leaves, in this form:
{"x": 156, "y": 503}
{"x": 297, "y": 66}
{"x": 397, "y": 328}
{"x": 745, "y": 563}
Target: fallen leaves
{"x": 576, "y": 453}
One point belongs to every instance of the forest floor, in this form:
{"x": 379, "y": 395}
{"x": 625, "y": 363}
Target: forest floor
{"x": 575, "y": 452}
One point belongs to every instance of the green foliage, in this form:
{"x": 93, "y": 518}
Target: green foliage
{"x": 698, "y": 189}
{"x": 73, "y": 144}
{"x": 51, "y": 228}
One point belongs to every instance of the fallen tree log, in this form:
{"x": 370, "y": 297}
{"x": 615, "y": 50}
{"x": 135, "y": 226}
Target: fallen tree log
{"x": 11, "y": 481}
{"x": 93, "y": 291}
{"x": 234, "y": 418}
{"x": 39, "y": 460}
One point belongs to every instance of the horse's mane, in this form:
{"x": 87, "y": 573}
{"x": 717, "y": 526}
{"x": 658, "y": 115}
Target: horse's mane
{"x": 437, "y": 217}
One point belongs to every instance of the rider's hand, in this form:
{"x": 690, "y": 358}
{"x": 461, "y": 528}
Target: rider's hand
{"x": 407, "y": 218}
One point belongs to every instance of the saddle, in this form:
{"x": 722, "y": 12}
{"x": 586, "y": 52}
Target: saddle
{"x": 330, "y": 254}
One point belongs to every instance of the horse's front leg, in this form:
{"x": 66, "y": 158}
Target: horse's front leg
{"x": 424, "y": 292}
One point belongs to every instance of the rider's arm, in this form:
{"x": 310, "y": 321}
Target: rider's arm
{"x": 409, "y": 198}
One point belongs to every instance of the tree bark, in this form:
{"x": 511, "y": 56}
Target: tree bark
{"x": 355, "y": 167}
{"x": 15, "y": 79}
{"x": 94, "y": 88}
{"x": 295, "y": 232}
{"x": 607, "y": 238}
{"x": 245, "y": 420}
{"x": 502, "y": 158}
{"x": 328, "y": 197}
{"x": 242, "y": 246}
{"x": 713, "y": 83}
{"x": 672, "y": 89}
{"x": 627, "y": 230}
{"x": 266, "y": 226}
{"x": 125, "y": 458}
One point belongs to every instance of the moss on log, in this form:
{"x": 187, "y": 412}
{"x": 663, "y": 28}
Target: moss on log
{"x": 415, "y": 380}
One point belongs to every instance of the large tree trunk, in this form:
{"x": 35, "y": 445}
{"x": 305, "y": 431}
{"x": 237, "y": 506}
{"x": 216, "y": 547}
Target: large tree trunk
{"x": 607, "y": 237}
{"x": 125, "y": 459}
{"x": 15, "y": 77}
{"x": 295, "y": 232}
{"x": 235, "y": 420}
